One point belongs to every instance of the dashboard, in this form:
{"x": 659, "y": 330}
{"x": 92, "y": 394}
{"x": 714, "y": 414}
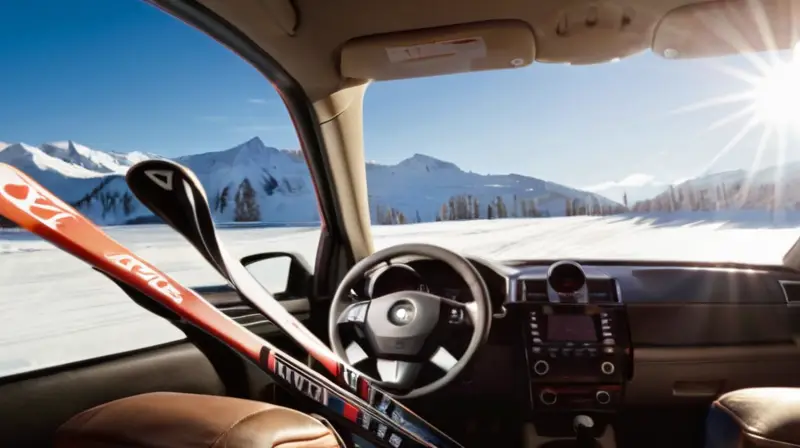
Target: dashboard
{"x": 594, "y": 336}
{"x": 432, "y": 276}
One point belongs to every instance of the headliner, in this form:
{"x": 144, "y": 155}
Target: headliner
{"x": 307, "y": 38}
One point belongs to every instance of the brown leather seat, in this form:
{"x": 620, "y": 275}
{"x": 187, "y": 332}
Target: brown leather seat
{"x": 188, "y": 421}
{"x": 755, "y": 418}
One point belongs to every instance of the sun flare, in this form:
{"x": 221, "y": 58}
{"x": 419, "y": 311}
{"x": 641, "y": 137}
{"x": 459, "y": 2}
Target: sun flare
{"x": 777, "y": 93}
{"x": 770, "y": 104}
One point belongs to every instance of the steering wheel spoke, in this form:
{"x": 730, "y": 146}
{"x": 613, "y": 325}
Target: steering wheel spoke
{"x": 443, "y": 359}
{"x": 355, "y": 353}
{"x": 401, "y": 374}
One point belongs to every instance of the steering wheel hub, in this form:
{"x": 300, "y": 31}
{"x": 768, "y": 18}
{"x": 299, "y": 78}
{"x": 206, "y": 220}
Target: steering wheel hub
{"x": 402, "y": 313}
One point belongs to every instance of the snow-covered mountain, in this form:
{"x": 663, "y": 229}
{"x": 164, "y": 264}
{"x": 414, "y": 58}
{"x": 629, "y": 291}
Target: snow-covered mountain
{"x": 253, "y": 182}
{"x": 424, "y": 188}
{"x": 98, "y": 161}
{"x": 772, "y": 188}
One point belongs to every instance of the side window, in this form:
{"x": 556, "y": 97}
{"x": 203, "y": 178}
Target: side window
{"x": 94, "y": 86}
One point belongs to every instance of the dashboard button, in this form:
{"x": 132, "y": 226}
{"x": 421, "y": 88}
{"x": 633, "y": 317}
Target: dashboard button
{"x": 548, "y": 397}
{"x": 541, "y": 367}
{"x": 607, "y": 368}
{"x": 602, "y": 397}
{"x": 456, "y": 316}
{"x": 608, "y": 341}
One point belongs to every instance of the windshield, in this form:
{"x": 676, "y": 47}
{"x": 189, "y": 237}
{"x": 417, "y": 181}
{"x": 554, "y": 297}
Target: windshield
{"x": 641, "y": 159}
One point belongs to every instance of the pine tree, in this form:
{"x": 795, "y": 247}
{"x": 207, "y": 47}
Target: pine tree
{"x": 247, "y": 209}
{"x": 502, "y": 212}
{"x": 223, "y": 199}
{"x": 516, "y": 208}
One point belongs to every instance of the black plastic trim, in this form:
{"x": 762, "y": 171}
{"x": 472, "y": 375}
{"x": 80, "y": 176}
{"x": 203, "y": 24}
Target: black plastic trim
{"x": 85, "y": 363}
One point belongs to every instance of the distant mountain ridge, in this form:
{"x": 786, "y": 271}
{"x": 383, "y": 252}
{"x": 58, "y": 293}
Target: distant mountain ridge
{"x": 254, "y": 182}
{"x": 772, "y": 188}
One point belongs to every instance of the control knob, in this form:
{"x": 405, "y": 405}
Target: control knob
{"x": 607, "y": 368}
{"x": 602, "y": 397}
{"x": 541, "y": 367}
{"x": 548, "y": 397}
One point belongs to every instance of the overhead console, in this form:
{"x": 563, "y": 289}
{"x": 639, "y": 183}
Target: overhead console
{"x": 576, "y": 339}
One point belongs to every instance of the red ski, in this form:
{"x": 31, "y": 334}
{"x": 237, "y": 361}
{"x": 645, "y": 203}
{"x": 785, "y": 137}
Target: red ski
{"x": 32, "y": 207}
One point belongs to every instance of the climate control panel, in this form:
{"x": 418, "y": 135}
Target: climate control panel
{"x": 575, "y": 397}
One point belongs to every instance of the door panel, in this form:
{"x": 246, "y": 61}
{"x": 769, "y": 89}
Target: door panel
{"x": 33, "y": 405}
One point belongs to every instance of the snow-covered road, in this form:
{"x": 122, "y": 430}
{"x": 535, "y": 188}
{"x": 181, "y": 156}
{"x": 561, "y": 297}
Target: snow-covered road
{"x": 54, "y": 309}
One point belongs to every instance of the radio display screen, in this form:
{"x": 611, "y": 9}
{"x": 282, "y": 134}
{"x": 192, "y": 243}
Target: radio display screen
{"x": 571, "y": 327}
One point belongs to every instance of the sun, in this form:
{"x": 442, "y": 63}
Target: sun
{"x": 770, "y": 104}
{"x": 777, "y": 93}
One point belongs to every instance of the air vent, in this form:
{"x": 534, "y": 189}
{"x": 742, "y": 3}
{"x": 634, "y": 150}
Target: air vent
{"x": 791, "y": 291}
{"x": 533, "y": 290}
{"x": 244, "y": 315}
{"x": 228, "y": 301}
{"x": 602, "y": 290}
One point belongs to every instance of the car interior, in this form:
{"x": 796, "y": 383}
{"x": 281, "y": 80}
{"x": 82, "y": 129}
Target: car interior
{"x": 577, "y": 353}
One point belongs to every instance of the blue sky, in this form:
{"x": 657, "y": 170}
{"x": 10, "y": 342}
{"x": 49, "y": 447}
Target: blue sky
{"x": 121, "y": 75}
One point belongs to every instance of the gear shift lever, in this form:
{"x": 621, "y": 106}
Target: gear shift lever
{"x": 582, "y": 425}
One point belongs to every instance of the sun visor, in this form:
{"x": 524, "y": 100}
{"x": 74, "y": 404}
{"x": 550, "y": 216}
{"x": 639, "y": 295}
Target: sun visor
{"x": 439, "y": 51}
{"x": 722, "y": 28}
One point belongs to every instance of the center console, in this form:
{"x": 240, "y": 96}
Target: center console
{"x": 577, "y": 346}
{"x": 577, "y": 355}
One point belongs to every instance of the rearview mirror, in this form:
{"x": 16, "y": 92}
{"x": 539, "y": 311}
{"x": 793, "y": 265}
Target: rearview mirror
{"x": 285, "y": 275}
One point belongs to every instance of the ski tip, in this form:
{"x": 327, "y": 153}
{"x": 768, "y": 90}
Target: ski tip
{"x": 164, "y": 173}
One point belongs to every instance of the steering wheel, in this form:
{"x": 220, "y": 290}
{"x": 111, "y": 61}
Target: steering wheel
{"x": 404, "y": 330}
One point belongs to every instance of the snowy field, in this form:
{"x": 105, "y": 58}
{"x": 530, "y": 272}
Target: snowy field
{"x": 54, "y": 309}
